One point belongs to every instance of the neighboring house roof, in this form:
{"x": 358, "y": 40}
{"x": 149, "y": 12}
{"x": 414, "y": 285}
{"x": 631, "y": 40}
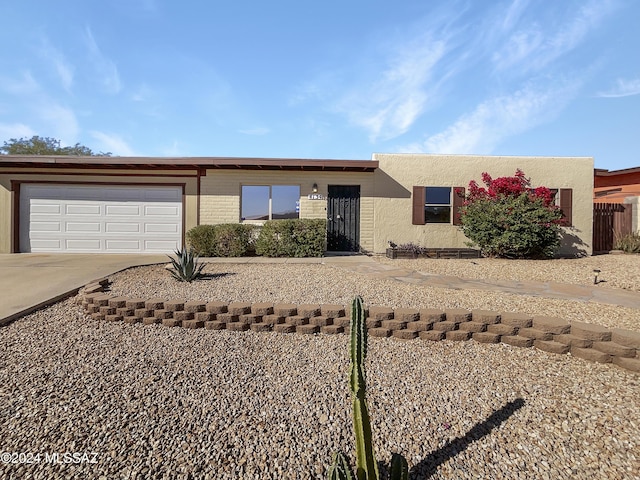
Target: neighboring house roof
{"x": 603, "y": 172}
{"x": 616, "y": 185}
{"x": 190, "y": 162}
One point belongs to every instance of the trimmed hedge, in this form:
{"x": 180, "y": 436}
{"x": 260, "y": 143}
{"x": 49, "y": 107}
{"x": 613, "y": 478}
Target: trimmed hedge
{"x": 223, "y": 240}
{"x": 292, "y": 238}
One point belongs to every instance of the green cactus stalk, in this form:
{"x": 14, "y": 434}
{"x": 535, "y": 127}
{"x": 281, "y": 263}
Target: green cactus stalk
{"x": 366, "y": 465}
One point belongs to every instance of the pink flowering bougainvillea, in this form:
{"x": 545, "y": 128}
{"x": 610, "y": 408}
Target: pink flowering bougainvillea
{"x": 509, "y": 218}
{"x": 512, "y": 186}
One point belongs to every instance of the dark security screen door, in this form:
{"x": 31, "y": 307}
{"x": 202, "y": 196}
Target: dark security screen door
{"x": 343, "y": 218}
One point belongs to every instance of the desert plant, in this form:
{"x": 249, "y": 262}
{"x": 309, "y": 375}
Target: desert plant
{"x": 340, "y": 469}
{"x": 412, "y": 247}
{"x": 185, "y": 266}
{"x": 510, "y": 219}
{"x": 629, "y": 243}
{"x": 366, "y": 465}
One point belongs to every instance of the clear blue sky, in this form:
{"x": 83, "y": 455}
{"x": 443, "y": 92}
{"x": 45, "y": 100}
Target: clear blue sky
{"x": 331, "y": 79}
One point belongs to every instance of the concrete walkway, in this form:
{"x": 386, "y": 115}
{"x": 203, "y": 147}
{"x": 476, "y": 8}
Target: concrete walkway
{"x": 30, "y": 281}
{"x": 565, "y": 291}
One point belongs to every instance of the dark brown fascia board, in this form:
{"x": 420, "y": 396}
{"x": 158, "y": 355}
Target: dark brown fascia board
{"x": 603, "y": 193}
{"x": 603, "y": 172}
{"x": 191, "y": 162}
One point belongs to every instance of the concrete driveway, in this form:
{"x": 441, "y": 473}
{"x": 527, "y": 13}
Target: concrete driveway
{"x": 29, "y": 281}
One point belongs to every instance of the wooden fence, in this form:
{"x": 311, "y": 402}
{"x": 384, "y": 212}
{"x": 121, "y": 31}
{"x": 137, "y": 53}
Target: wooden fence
{"x": 610, "y": 220}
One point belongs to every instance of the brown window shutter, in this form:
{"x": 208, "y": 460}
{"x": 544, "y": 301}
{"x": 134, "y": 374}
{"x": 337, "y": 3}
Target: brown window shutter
{"x": 566, "y": 204}
{"x": 419, "y": 196}
{"x": 458, "y": 200}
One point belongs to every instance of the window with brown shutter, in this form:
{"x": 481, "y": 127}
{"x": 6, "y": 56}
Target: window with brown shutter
{"x": 437, "y": 205}
{"x": 458, "y": 200}
{"x": 566, "y": 204}
{"x": 418, "y": 205}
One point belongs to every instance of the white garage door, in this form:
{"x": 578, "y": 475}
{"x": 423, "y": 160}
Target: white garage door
{"x": 100, "y": 218}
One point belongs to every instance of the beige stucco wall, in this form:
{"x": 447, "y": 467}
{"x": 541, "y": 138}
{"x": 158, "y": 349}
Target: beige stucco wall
{"x": 634, "y": 202}
{"x": 398, "y": 173}
{"x": 220, "y": 192}
{"x": 6, "y": 227}
{"x": 58, "y": 175}
{"x": 385, "y": 203}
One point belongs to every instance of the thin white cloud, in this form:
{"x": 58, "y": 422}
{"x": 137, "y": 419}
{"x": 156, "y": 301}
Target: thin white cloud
{"x": 60, "y": 120}
{"x": 494, "y": 120}
{"x": 310, "y": 91}
{"x": 388, "y": 107}
{"x": 622, "y": 88}
{"x": 258, "y": 131}
{"x": 514, "y": 12}
{"x": 105, "y": 68}
{"x": 173, "y": 150}
{"x": 112, "y": 143}
{"x": 520, "y": 46}
{"x": 63, "y": 69}
{"x": 142, "y": 94}
{"x": 15, "y": 130}
{"x": 24, "y": 85}
{"x": 533, "y": 47}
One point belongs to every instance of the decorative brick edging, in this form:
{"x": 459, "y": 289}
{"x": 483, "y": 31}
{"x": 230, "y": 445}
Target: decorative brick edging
{"x": 583, "y": 340}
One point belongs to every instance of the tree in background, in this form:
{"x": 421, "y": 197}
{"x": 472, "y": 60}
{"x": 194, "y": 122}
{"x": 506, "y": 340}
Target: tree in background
{"x": 508, "y": 218}
{"x": 45, "y": 146}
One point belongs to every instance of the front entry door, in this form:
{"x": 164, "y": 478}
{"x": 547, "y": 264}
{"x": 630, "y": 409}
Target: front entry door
{"x": 343, "y": 218}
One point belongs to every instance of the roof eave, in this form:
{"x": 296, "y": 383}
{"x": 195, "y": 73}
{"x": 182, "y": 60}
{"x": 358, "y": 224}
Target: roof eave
{"x": 189, "y": 162}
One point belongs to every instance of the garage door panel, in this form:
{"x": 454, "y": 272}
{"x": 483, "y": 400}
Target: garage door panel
{"x": 82, "y": 209}
{"x": 160, "y": 228}
{"x": 45, "y": 209}
{"x": 83, "y": 244}
{"x": 45, "y": 227}
{"x": 123, "y": 210}
{"x": 46, "y": 244}
{"x": 123, "y": 245}
{"x": 112, "y": 227}
{"x": 82, "y": 227}
{"x": 160, "y": 246}
{"x": 161, "y": 211}
{"x": 81, "y": 218}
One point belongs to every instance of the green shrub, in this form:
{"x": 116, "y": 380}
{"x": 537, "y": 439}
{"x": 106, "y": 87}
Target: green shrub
{"x": 510, "y": 219}
{"x": 201, "y": 239}
{"x": 292, "y": 238}
{"x": 629, "y": 243}
{"x": 223, "y": 240}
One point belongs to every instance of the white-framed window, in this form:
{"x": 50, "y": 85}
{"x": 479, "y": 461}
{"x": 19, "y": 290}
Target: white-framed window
{"x": 438, "y": 204}
{"x": 269, "y": 202}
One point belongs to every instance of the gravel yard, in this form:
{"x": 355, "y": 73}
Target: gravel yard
{"x": 300, "y": 283}
{"x": 157, "y": 402}
{"x": 616, "y": 271}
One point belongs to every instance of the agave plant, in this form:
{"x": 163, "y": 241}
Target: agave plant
{"x": 185, "y": 266}
{"x": 366, "y": 465}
